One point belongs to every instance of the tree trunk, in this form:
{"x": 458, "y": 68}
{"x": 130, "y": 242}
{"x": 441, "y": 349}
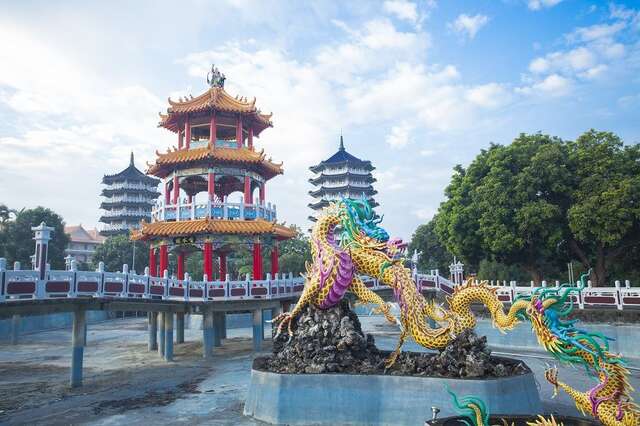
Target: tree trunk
{"x": 534, "y": 272}
{"x": 599, "y": 274}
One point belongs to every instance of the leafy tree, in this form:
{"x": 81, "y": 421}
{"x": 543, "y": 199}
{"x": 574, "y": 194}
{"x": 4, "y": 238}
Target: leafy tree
{"x": 294, "y": 253}
{"x": 432, "y": 253}
{"x": 16, "y": 237}
{"x": 118, "y": 250}
{"x": 512, "y": 204}
{"x": 604, "y": 217}
{"x": 540, "y": 200}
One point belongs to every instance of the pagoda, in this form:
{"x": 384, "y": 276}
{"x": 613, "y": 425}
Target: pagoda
{"x": 341, "y": 176}
{"x": 214, "y": 185}
{"x": 128, "y": 199}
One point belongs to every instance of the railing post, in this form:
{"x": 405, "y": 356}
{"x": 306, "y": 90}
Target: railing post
{"x": 3, "y": 268}
{"x": 101, "y": 283}
{"x": 186, "y": 281}
{"x": 73, "y": 286}
{"x": 268, "y": 285}
{"x": 125, "y": 281}
{"x": 165, "y": 284}
{"x": 242, "y": 203}
{"x": 618, "y": 295}
{"x": 248, "y": 284}
{"x": 225, "y": 211}
{"x": 227, "y": 284}
{"x": 193, "y": 208}
{"x": 16, "y": 266}
{"x": 147, "y": 283}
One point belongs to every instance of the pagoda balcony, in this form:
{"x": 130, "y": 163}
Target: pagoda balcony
{"x": 132, "y": 186}
{"x": 128, "y": 213}
{"x": 220, "y": 143}
{"x": 129, "y": 199}
{"x": 342, "y": 170}
{"x": 213, "y": 210}
{"x": 112, "y": 227}
{"x": 345, "y": 183}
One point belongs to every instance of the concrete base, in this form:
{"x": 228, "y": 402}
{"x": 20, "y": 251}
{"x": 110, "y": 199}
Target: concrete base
{"x": 330, "y": 399}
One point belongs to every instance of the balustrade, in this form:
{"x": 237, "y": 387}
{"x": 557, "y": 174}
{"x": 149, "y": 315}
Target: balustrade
{"x": 214, "y": 210}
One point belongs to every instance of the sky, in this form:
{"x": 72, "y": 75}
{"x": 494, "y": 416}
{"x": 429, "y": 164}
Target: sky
{"x": 415, "y": 87}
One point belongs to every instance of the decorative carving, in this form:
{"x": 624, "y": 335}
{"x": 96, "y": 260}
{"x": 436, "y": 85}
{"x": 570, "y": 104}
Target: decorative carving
{"x": 215, "y": 78}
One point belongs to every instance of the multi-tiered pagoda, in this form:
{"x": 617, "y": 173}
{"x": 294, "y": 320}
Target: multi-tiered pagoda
{"x": 341, "y": 176}
{"x": 128, "y": 199}
{"x": 214, "y": 184}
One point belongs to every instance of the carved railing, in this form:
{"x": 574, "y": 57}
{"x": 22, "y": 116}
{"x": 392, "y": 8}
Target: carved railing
{"x": 215, "y": 210}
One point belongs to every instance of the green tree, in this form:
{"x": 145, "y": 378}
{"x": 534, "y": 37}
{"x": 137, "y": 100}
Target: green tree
{"x": 604, "y": 217}
{"x": 509, "y": 204}
{"x": 294, "y": 253}
{"x": 118, "y": 250}
{"x": 16, "y": 237}
{"x": 432, "y": 253}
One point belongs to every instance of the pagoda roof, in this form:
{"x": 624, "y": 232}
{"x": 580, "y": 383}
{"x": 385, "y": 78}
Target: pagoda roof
{"x": 342, "y": 156}
{"x": 165, "y": 163}
{"x": 211, "y": 226}
{"x": 214, "y": 99}
{"x": 131, "y": 173}
{"x": 368, "y": 190}
{"x": 328, "y": 177}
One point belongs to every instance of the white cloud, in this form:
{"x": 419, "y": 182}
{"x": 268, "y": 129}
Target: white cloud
{"x": 400, "y": 136}
{"x": 402, "y": 9}
{"x": 596, "y": 32}
{"x": 489, "y": 95}
{"x": 467, "y": 25}
{"x": 577, "y": 59}
{"x": 542, "y": 4}
{"x": 553, "y": 85}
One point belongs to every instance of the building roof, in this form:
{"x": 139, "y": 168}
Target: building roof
{"x": 165, "y": 162}
{"x": 131, "y": 173}
{"x": 214, "y": 99}
{"x": 211, "y": 226}
{"x": 342, "y": 156}
{"x": 78, "y": 234}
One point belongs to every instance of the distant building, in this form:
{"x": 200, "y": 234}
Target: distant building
{"x": 82, "y": 242}
{"x": 341, "y": 176}
{"x": 128, "y": 198}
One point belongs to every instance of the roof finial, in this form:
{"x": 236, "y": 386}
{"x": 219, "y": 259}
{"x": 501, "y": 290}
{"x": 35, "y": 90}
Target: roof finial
{"x": 215, "y": 78}
{"x": 341, "y": 141}
{"x": 131, "y": 160}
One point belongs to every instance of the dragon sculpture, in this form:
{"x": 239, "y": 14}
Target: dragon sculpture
{"x": 362, "y": 247}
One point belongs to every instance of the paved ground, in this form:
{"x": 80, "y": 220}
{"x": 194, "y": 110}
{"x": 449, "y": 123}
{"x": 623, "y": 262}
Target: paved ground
{"x": 126, "y": 384}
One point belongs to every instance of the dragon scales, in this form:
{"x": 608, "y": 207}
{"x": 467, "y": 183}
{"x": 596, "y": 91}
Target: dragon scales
{"x": 365, "y": 248}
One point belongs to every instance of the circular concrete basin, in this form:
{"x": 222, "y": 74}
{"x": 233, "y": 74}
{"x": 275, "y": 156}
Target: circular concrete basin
{"x": 330, "y": 399}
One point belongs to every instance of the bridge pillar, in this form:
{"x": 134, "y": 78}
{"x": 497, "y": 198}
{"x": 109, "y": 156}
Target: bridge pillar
{"x": 207, "y": 334}
{"x": 258, "y": 329}
{"x": 77, "y": 343}
{"x": 180, "y": 327}
{"x": 15, "y": 329}
{"x": 168, "y": 338}
{"x": 153, "y": 331}
{"x": 223, "y": 330}
{"x": 161, "y": 333}
{"x": 217, "y": 329}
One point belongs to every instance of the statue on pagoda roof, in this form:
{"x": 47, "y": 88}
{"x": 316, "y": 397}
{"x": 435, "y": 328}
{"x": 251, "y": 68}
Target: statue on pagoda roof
{"x": 215, "y": 78}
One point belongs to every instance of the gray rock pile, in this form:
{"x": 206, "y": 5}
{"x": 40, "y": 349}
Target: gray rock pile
{"x": 332, "y": 341}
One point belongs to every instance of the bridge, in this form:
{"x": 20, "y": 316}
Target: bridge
{"x": 167, "y": 300}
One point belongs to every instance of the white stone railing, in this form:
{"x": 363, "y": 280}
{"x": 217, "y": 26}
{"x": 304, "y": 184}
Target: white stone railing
{"x": 214, "y": 210}
{"x": 335, "y": 171}
{"x": 19, "y": 284}
{"x": 619, "y": 296}
{"x": 119, "y": 226}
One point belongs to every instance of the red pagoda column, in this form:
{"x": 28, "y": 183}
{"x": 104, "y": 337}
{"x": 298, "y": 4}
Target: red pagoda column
{"x": 247, "y": 190}
{"x": 212, "y": 130}
{"x": 153, "y": 269}
{"x": 250, "y": 138}
{"x": 187, "y": 132}
{"x": 211, "y": 185}
{"x": 164, "y": 259}
{"x": 262, "y": 191}
{"x": 181, "y": 258}
{"x": 239, "y": 131}
{"x": 176, "y": 189}
{"x": 274, "y": 259}
{"x": 257, "y": 260}
{"x": 222, "y": 259}
{"x": 207, "y": 260}
{"x": 180, "y": 138}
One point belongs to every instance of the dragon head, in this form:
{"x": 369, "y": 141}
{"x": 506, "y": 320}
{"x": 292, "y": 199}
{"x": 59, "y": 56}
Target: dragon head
{"x": 548, "y": 310}
{"x": 360, "y": 229}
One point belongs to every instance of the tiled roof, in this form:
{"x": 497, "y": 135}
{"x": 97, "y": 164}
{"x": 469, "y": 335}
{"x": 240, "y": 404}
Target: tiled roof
{"x": 232, "y": 155}
{"x": 217, "y": 99}
{"x": 77, "y": 234}
{"x": 342, "y": 156}
{"x": 211, "y": 226}
{"x": 131, "y": 174}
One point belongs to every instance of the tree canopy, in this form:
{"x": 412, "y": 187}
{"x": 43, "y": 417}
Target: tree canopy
{"x": 118, "y": 250}
{"x": 16, "y": 236}
{"x": 432, "y": 253}
{"x": 541, "y": 201}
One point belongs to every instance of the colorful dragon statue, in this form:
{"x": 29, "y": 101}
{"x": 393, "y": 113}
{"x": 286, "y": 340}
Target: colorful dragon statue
{"x": 346, "y": 241}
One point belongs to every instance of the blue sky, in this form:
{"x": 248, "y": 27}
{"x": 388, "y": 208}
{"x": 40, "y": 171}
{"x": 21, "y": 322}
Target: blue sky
{"x": 416, "y": 87}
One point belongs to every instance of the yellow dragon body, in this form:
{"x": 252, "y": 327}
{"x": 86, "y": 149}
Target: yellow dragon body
{"x": 364, "y": 248}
